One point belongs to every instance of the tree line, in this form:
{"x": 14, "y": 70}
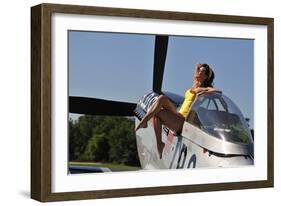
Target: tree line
{"x": 103, "y": 139}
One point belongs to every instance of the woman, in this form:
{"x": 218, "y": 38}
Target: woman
{"x": 163, "y": 111}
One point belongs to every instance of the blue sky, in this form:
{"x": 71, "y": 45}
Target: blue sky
{"x": 119, "y": 66}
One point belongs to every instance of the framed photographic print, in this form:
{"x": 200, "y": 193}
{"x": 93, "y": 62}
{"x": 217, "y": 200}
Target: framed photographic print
{"x": 130, "y": 102}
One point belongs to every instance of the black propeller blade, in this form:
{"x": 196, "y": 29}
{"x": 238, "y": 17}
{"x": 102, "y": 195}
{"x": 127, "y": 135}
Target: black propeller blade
{"x": 160, "y": 52}
{"x": 93, "y": 106}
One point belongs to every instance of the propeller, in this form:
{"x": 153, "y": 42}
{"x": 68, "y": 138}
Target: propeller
{"x": 160, "y": 52}
{"x": 94, "y": 106}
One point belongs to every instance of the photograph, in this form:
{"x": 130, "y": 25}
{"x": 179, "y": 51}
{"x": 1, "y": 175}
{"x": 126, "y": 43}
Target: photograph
{"x": 131, "y": 102}
{"x": 150, "y": 102}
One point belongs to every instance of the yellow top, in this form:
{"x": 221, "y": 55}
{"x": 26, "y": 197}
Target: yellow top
{"x": 189, "y": 96}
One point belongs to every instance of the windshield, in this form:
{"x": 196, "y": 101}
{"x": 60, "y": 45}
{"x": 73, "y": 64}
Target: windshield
{"x": 217, "y": 115}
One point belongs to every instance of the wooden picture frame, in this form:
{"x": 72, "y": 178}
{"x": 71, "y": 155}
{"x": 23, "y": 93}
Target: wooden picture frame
{"x": 41, "y": 98}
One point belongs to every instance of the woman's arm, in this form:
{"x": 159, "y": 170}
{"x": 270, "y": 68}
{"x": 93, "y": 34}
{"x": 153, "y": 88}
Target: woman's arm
{"x": 198, "y": 90}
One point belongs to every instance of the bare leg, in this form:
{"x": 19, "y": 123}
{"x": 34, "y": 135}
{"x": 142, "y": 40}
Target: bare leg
{"x": 158, "y": 131}
{"x": 161, "y": 103}
{"x": 171, "y": 120}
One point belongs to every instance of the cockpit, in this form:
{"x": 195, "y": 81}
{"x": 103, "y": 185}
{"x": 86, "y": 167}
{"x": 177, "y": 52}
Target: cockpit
{"x": 218, "y": 116}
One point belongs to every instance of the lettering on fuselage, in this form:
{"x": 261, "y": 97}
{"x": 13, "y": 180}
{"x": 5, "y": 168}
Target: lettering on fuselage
{"x": 181, "y": 149}
{"x": 192, "y": 161}
{"x": 182, "y": 159}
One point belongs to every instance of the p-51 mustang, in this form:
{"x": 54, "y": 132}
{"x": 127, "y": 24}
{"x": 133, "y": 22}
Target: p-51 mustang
{"x": 215, "y": 133}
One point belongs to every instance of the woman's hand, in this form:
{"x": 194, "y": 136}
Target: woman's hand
{"x": 208, "y": 90}
{"x": 211, "y": 89}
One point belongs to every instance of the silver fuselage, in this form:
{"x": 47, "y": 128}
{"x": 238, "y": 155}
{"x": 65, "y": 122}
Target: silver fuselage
{"x": 193, "y": 148}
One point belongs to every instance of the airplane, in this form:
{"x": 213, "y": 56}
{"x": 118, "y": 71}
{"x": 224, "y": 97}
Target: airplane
{"x": 215, "y": 133}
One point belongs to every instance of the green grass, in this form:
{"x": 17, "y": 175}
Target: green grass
{"x": 112, "y": 166}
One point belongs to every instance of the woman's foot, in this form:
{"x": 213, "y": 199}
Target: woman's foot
{"x": 142, "y": 124}
{"x": 160, "y": 149}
